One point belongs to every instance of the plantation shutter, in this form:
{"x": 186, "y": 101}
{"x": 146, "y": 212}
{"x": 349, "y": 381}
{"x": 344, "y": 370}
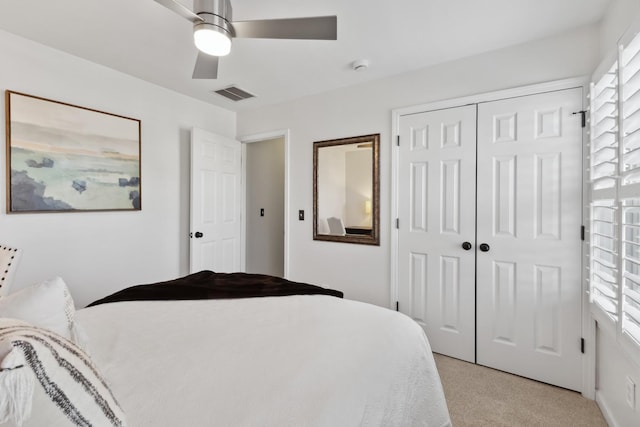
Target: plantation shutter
{"x": 603, "y": 174}
{"x": 629, "y": 192}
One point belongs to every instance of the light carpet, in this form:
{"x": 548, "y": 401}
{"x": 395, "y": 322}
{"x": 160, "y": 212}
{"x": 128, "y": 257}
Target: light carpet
{"x": 480, "y": 396}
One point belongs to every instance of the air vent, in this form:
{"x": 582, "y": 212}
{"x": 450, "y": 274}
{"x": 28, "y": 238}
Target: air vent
{"x": 234, "y": 93}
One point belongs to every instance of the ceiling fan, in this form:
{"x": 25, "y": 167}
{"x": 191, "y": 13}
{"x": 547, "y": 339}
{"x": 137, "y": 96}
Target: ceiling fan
{"x": 213, "y": 30}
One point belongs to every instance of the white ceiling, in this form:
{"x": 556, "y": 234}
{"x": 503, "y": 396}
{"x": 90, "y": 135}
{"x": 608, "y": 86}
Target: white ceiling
{"x": 146, "y": 40}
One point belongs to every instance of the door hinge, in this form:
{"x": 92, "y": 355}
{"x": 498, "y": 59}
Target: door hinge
{"x": 582, "y": 232}
{"x": 398, "y": 140}
{"x": 583, "y": 114}
{"x": 397, "y": 306}
{"x": 582, "y": 345}
{"x": 398, "y": 223}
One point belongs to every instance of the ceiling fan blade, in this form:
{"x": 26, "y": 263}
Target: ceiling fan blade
{"x": 206, "y": 67}
{"x": 314, "y": 28}
{"x": 181, "y": 10}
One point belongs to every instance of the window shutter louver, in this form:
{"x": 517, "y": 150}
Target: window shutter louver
{"x": 629, "y": 192}
{"x": 631, "y": 269}
{"x": 604, "y": 258}
{"x": 604, "y": 138}
{"x": 603, "y": 180}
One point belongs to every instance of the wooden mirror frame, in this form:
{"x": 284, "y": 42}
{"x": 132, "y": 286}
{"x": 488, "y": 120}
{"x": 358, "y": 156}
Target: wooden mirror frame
{"x": 364, "y": 239}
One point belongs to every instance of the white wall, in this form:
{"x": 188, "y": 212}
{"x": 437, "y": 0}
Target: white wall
{"x": 363, "y": 271}
{"x": 98, "y": 253}
{"x": 613, "y": 369}
{"x": 613, "y": 364}
{"x": 619, "y": 17}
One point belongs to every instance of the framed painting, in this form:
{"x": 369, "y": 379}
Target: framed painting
{"x": 66, "y": 158}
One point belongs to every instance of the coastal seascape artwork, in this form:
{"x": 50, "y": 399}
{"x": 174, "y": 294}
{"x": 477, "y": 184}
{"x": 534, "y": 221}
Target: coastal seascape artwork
{"x": 65, "y": 158}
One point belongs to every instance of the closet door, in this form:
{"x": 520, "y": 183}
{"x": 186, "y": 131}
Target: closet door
{"x": 529, "y": 216}
{"x": 436, "y": 197}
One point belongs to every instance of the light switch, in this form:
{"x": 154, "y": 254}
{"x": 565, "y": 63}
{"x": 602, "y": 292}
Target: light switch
{"x": 262, "y": 212}
{"x": 301, "y": 215}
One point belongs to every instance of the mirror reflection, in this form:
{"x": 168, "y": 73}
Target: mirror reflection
{"x": 346, "y": 205}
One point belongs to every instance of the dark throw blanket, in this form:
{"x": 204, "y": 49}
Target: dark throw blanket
{"x": 209, "y": 285}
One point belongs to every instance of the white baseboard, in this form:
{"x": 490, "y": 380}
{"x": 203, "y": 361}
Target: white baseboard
{"x": 605, "y": 410}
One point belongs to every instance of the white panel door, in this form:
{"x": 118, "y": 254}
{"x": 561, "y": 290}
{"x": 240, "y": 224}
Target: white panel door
{"x": 215, "y": 202}
{"x": 529, "y": 216}
{"x": 437, "y": 163}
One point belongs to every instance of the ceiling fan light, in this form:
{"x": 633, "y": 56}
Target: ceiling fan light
{"x": 211, "y": 40}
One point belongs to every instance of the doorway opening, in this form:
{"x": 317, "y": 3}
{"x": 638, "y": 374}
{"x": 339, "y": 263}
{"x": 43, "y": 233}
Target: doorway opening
{"x": 265, "y": 221}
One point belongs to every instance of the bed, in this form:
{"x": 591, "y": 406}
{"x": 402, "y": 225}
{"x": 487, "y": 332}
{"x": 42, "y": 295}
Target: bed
{"x": 288, "y": 360}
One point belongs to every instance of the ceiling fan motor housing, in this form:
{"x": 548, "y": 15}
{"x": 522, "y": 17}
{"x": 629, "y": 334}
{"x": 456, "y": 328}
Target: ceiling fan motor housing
{"x": 215, "y": 13}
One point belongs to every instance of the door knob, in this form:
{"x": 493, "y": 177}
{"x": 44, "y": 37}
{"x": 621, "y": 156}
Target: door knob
{"x": 484, "y": 247}
{"x": 466, "y": 246}
{"x": 199, "y": 235}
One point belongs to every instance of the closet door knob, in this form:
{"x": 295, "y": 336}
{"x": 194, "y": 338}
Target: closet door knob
{"x": 484, "y": 247}
{"x": 199, "y": 235}
{"x": 466, "y": 246}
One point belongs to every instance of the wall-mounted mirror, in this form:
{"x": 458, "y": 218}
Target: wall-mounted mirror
{"x": 346, "y": 190}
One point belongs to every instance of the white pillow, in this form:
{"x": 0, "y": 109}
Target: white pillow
{"x": 46, "y": 380}
{"x": 9, "y": 258}
{"x": 47, "y": 305}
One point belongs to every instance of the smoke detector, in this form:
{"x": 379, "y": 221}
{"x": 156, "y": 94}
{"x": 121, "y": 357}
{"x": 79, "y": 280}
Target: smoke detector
{"x": 360, "y": 65}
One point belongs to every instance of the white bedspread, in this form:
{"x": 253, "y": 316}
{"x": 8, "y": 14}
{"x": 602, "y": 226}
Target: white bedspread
{"x": 280, "y": 361}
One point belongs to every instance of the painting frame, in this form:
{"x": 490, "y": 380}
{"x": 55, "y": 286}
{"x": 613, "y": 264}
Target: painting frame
{"x": 62, "y": 157}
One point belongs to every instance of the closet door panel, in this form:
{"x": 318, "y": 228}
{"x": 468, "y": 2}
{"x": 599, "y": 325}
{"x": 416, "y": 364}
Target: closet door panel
{"x": 437, "y": 214}
{"x": 529, "y": 214}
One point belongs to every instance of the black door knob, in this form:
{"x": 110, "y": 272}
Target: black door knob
{"x": 466, "y": 246}
{"x": 484, "y": 247}
{"x": 199, "y": 235}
